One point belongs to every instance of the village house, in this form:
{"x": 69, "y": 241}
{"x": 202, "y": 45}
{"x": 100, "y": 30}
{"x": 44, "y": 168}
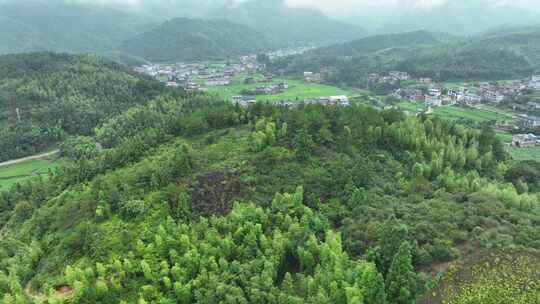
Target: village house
{"x": 533, "y": 105}
{"x": 492, "y": 96}
{"x": 334, "y": 100}
{"x": 470, "y": 99}
{"x": 272, "y": 89}
{"x": 511, "y": 88}
{"x": 533, "y": 121}
{"x": 434, "y": 91}
{"x": 402, "y": 76}
{"x": 535, "y": 82}
{"x": 524, "y": 140}
{"x": 218, "y": 82}
{"x": 433, "y": 101}
{"x": 312, "y": 77}
{"x": 283, "y": 86}
{"x": 426, "y": 80}
{"x": 244, "y": 101}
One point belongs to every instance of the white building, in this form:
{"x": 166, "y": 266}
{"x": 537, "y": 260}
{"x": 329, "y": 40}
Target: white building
{"x": 433, "y": 101}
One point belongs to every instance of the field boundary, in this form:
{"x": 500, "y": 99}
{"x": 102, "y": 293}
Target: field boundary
{"x": 25, "y": 159}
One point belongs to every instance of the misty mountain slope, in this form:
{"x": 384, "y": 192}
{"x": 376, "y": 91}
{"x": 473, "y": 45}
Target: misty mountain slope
{"x": 184, "y": 39}
{"x": 290, "y": 26}
{"x": 523, "y": 40}
{"x": 54, "y": 26}
{"x": 459, "y": 17}
{"x": 382, "y": 42}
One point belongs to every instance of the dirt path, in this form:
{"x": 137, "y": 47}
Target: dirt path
{"x": 22, "y": 160}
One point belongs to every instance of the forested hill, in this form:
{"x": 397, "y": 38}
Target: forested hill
{"x": 382, "y": 42}
{"x": 438, "y": 56}
{"x": 197, "y": 201}
{"x": 184, "y": 39}
{"x": 59, "y": 95}
{"x": 290, "y": 26}
{"x": 523, "y": 40}
{"x": 30, "y": 26}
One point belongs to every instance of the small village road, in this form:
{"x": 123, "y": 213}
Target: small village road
{"x": 22, "y": 160}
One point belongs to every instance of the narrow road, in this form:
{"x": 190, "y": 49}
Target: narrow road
{"x": 22, "y": 160}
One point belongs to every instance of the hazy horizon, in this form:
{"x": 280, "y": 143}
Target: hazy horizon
{"x": 453, "y": 16}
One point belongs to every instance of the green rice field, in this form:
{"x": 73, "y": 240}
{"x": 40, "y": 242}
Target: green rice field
{"x": 524, "y": 153}
{"x": 298, "y": 89}
{"x": 10, "y": 175}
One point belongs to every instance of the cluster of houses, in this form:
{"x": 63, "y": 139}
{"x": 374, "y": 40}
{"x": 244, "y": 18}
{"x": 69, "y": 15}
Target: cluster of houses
{"x": 469, "y": 95}
{"x": 288, "y": 52}
{"x": 525, "y": 140}
{"x": 193, "y": 75}
{"x": 393, "y": 77}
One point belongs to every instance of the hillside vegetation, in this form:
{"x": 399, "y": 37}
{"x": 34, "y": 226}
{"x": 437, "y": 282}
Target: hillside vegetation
{"x": 184, "y": 39}
{"x": 197, "y": 201}
{"x": 422, "y": 54}
{"x": 58, "y": 95}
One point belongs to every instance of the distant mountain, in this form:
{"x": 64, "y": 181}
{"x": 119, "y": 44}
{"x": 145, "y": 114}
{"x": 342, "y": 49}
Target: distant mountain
{"x": 289, "y": 26}
{"x": 184, "y": 39}
{"x": 60, "y": 27}
{"x": 456, "y": 17}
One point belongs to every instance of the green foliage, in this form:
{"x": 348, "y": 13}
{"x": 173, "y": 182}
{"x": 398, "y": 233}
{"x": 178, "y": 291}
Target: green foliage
{"x": 184, "y": 209}
{"x": 184, "y": 39}
{"x": 77, "y": 148}
{"x": 401, "y": 279}
{"x": 421, "y": 54}
{"x": 59, "y": 95}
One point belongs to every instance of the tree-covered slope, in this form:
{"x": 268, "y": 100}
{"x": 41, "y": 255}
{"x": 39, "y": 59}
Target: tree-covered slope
{"x": 184, "y": 39}
{"x": 64, "y": 27}
{"x": 421, "y": 54}
{"x": 45, "y": 97}
{"x": 382, "y": 42}
{"x": 523, "y": 40}
{"x": 186, "y": 205}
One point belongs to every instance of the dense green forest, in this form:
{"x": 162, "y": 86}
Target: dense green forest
{"x": 422, "y": 54}
{"x": 46, "y": 97}
{"x": 193, "y": 200}
{"x": 184, "y": 39}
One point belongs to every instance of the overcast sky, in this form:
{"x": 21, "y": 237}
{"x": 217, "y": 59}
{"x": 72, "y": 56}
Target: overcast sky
{"x": 333, "y": 6}
{"x": 350, "y": 6}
